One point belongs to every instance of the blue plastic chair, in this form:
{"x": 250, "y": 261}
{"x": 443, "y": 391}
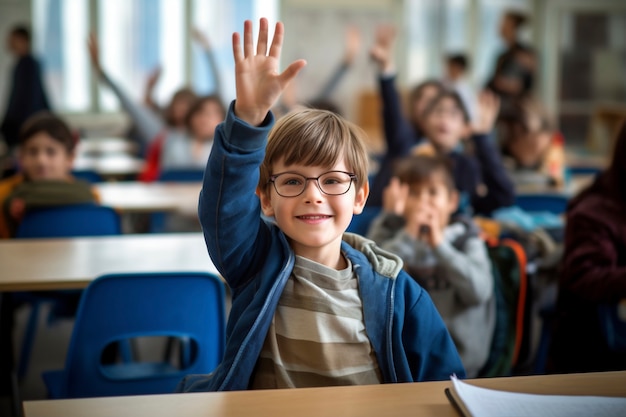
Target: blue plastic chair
{"x": 553, "y": 203}
{"x": 361, "y": 222}
{"x": 181, "y": 175}
{"x": 88, "y": 175}
{"x": 70, "y": 221}
{"x": 63, "y": 221}
{"x": 187, "y": 306}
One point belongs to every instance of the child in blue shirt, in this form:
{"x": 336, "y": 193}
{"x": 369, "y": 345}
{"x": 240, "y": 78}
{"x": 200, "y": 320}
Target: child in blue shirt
{"x": 311, "y": 306}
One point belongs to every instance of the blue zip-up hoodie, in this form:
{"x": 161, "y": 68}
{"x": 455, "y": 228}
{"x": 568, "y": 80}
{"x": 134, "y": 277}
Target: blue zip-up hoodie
{"x": 254, "y": 257}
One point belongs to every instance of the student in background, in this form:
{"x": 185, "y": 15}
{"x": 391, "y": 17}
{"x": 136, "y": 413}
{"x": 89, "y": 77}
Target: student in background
{"x": 443, "y": 252}
{"x": 514, "y": 73}
{"x": 367, "y": 321}
{"x": 27, "y": 94}
{"x": 401, "y": 133}
{"x": 477, "y": 168}
{"x": 169, "y": 147}
{"x": 593, "y": 274}
{"x": 175, "y": 113}
{"x": 46, "y": 153}
{"x": 456, "y": 67}
{"x": 533, "y": 151}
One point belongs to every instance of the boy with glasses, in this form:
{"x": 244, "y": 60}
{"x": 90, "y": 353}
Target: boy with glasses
{"x": 311, "y": 306}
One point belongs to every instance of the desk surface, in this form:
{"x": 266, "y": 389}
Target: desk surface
{"x": 421, "y": 399}
{"x": 50, "y": 264}
{"x": 150, "y": 197}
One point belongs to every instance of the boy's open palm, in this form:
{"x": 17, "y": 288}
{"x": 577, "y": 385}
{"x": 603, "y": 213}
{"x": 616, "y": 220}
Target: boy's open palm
{"x": 259, "y": 85}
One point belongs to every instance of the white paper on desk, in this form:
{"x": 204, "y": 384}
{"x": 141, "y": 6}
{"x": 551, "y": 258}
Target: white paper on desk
{"x": 483, "y": 402}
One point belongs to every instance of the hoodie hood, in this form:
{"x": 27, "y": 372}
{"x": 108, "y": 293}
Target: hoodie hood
{"x": 385, "y": 263}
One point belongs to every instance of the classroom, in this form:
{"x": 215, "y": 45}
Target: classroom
{"x": 464, "y": 233}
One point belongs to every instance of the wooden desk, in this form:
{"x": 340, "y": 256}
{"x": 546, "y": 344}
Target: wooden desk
{"x": 150, "y": 197}
{"x": 72, "y": 263}
{"x": 420, "y": 399}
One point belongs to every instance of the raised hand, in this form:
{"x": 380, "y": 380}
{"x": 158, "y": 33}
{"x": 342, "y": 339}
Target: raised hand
{"x": 153, "y": 77}
{"x": 256, "y": 72}
{"x": 488, "y": 108}
{"x": 423, "y": 222}
{"x": 395, "y": 196}
{"x": 94, "y": 51}
{"x": 382, "y": 50}
{"x": 201, "y": 38}
{"x": 353, "y": 44}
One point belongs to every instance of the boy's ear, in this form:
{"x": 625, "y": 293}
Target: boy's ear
{"x": 266, "y": 202}
{"x": 361, "y": 198}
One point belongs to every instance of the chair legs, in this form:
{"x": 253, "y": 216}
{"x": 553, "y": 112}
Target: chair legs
{"x": 28, "y": 340}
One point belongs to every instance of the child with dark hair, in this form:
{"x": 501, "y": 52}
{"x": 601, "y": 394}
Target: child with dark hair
{"x": 593, "y": 275}
{"x": 46, "y": 153}
{"x": 441, "y": 251}
{"x": 477, "y": 167}
{"x": 533, "y": 151}
{"x": 401, "y": 133}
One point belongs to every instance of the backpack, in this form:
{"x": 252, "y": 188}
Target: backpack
{"x": 508, "y": 261}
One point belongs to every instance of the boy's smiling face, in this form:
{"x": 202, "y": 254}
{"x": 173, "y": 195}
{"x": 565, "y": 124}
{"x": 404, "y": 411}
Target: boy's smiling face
{"x": 314, "y": 222}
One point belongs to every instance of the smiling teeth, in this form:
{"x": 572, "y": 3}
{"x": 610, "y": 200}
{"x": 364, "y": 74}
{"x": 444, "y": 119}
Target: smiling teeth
{"x": 313, "y": 217}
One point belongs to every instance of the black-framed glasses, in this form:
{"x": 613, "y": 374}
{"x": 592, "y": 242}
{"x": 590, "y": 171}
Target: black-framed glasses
{"x": 292, "y": 184}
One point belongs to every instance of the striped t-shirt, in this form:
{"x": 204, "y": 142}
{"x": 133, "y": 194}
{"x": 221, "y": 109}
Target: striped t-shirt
{"x": 317, "y": 336}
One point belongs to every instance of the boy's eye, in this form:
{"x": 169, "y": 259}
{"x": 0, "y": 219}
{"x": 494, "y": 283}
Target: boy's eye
{"x": 292, "y": 181}
{"x": 433, "y": 191}
{"x": 332, "y": 180}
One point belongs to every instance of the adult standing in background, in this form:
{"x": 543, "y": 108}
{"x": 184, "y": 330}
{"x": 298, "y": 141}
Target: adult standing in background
{"x": 514, "y": 74}
{"x": 26, "y": 95}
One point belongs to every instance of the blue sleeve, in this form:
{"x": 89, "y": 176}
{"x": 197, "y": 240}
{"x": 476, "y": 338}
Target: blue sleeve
{"x": 500, "y": 188}
{"x": 400, "y": 138}
{"x": 229, "y": 210}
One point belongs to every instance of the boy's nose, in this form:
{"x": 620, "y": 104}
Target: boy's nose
{"x": 312, "y": 191}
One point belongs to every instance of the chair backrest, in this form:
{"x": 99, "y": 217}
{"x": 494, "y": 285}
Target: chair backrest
{"x": 553, "y": 203}
{"x": 124, "y": 306}
{"x": 70, "y": 221}
{"x": 361, "y": 222}
{"x": 509, "y": 263}
{"x": 181, "y": 175}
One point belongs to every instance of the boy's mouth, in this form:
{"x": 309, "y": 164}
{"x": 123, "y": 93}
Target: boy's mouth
{"x": 313, "y": 217}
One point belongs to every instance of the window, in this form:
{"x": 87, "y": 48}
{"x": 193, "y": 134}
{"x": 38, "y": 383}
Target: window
{"x": 135, "y": 37}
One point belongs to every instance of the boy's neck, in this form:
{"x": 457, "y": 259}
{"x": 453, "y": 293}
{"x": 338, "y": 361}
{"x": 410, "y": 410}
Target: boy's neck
{"x": 331, "y": 258}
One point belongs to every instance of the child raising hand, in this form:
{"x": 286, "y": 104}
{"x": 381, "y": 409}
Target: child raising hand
{"x": 366, "y": 321}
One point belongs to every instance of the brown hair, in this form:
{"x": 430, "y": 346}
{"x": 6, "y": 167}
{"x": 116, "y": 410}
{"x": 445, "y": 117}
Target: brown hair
{"x": 415, "y": 95}
{"x": 186, "y": 94}
{"x": 197, "y": 106}
{"x": 420, "y": 168}
{"x": 454, "y": 96}
{"x": 316, "y": 138}
{"x": 518, "y": 18}
{"x": 54, "y": 126}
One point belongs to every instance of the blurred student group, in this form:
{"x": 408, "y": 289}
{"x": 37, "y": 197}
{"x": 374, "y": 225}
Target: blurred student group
{"x": 531, "y": 277}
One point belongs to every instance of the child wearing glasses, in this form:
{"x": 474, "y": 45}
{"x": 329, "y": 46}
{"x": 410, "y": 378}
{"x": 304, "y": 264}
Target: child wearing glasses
{"x": 311, "y": 306}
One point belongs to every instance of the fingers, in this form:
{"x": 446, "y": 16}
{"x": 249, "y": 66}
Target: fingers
{"x": 277, "y": 41}
{"x": 261, "y": 47}
{"x": 237, "y": 54}
{"x": 248, "y": 42}
{"x": 292, "y": 70}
